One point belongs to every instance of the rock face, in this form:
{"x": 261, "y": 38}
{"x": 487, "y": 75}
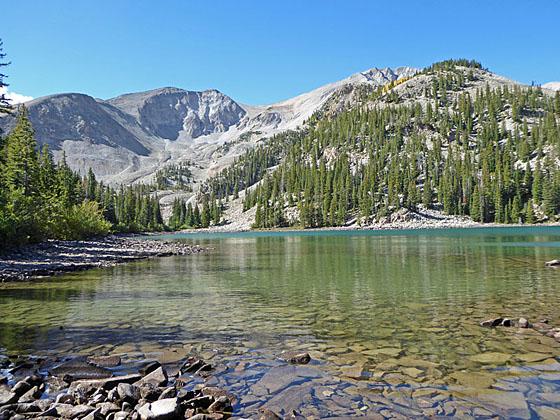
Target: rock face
{"x": 79, "y": 117}
{"x": 168, "y": 111}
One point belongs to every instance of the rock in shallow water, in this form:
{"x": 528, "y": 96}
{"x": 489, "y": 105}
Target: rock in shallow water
{"x": 295, "y": 357}
{"x": 158, "y": 377}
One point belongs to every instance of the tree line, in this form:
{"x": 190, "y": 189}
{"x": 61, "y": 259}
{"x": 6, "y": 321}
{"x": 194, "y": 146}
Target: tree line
{"x": 41, "y": 199}
{"x": 492, "y": 155}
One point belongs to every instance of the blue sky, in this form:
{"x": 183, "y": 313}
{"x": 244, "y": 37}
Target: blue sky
{"x": 261, "y": 52}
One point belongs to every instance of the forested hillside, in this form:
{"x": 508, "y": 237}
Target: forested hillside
{"x": 454, "y": 137}
{"x": 40, "y": 199}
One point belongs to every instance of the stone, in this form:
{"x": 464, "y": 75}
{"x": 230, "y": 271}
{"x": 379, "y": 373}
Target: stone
{"x": 108, "y": 407}
{"x": 71, "y": 411}
{"x": 384, "y": 351}
{"x": 265, "y": 414}
{"x": 129, "y": 393}
{"x": 353, "y": 372}
{"x": 65, "y": 399}
{"x": 473, "y": 379}
{"x": 532, "y": 357}
{"x": 149, "y": 367}
{"x": 120, "y": 415}
{"x": 217, "y": 393}
{"x": 168, "y": 393}
{"x": 523, "y": 323}
{"x": 105, "y": 361}
{"x": 167, "y": 408}
{"x": 221, "y": 405}
{"x": 94, "y": 415}
{"x": 80, "y": 369}
{"x": 30, "y": 395}
{"x": 413, "y": 372}
{"x": 506, "y": 404}
{"x": 158, "y": 377}
{"x": 493, "y": 358}
{"x": 150, "y": 392}
{"x": 7, "y": 397}
{"x": 108, "y": 383}
{"x": 493, "y": 322}
{"x": 547, "y": 413}
{"x": 507, "y": 322}
{"x": 295, "y": 357}
{"x": 21, "y": 388}
{"x": 200, "y": 402}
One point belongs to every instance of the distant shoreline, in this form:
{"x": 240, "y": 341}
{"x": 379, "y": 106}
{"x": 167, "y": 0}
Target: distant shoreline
{"x": 54, "y": 257}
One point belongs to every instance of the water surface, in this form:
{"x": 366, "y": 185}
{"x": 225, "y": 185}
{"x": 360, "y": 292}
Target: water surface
{"x": 390, "y": 318}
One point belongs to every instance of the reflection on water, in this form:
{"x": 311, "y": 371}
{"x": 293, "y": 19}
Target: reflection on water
{"x": 388, "y": 308}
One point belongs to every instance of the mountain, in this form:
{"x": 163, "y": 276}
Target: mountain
{"x": 552, "y": 85}
{"x": 451, "y": 140}
{"x": 130, "y": 137}
{"x": 169, "y": 112}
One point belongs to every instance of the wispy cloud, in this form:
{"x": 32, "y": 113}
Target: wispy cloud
{"x": 15, "y": 98}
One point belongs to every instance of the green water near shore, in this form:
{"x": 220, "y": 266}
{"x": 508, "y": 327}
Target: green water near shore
{"x": 394, "y": 307}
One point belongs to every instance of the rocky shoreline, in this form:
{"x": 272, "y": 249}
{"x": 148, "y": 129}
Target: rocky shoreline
{"x": 108, "y": 387}
{"x": 86, "y": 388}
{"x": 56, "y": 257}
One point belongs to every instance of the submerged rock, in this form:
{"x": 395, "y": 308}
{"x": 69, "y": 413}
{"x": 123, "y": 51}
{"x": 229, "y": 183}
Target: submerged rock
{"x": 80, "y": 369}
{"x": 266, "y": 414}
{"x": 493, "y": 322}
{"x": 105, "y": 361}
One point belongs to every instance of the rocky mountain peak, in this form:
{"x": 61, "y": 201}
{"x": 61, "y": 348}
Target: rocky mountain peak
{"x": 170, "y": 112}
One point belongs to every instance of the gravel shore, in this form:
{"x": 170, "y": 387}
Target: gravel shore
{"x": 55, "y": 257}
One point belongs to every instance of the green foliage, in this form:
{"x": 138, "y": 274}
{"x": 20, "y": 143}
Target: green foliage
{"x": 453, "y": 153}
{"x": 185, "y": 216}
{"x": 176, "y": 177}
{"x": 43, "y": 200}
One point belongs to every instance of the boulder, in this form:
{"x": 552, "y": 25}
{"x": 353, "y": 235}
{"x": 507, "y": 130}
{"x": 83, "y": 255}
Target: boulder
{"x": 295, "y": 357}
{"x": 149, "y": 392}
{"x": 167, "y": 408}
{"x": 129, "y": 393}
{"x": 158, "y": 378}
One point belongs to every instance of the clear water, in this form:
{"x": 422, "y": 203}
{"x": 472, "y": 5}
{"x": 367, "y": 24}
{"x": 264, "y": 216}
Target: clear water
{"x": 386, "y": 316}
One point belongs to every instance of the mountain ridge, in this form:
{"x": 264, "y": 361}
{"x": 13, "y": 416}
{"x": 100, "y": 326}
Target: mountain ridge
{"x": 148, "y": 129}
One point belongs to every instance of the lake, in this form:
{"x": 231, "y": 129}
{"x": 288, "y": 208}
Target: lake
{"x": 390, "y": 319}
